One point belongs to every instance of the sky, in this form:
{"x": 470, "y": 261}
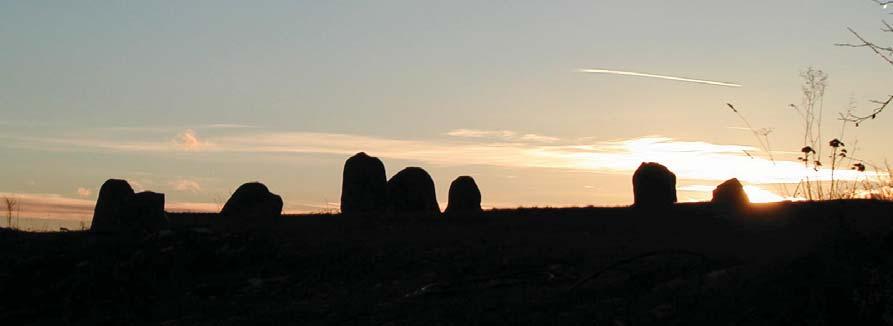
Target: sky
{"x": 194, "y": 98}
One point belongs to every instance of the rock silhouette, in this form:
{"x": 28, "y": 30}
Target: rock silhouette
{"x": 412, "y": 191}
{"x": 464, "y": 197}
{"x": 364, "y": 187}
{"x": 113, "y": 197}
{"x": 654, "y": 186}
{"x": 118, "y": 209}
{"x": 730, "y": 194}
{"x": 145, "y": 212}
{"x": 252, "y": 202}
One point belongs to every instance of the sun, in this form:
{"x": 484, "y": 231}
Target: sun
{"x": 760, "y": 195}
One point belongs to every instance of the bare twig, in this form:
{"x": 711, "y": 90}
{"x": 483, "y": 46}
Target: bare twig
{"x": 762, "y": 135}
{"x": 857, "y": 119}
{"x": 879, "y": 50}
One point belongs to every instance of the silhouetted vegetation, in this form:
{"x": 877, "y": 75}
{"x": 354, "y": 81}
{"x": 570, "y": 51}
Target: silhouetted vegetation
{"x": 12, "y": 209}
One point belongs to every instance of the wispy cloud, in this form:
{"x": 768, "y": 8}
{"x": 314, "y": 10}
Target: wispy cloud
{"x": 471, "y": 133}
{"x": 84, "y": 192}
{"x": 674, "y": 78}
{"x": 52, "y": 206}
{"x": 504, "y": 135}
{"x": 693, "y": 160}
{"x": 55, "y": 206}
{"x": 163, "y": 129}
{"x": 188, "y": 140}
{"x": 756, "y": 194}
{"x": 186, "y": 185}
{"x": 226, "y": 126}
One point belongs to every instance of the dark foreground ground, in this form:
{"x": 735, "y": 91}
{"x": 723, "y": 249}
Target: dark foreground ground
{"x": 792, "y": 263}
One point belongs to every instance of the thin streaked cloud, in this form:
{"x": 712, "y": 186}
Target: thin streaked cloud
{"x": 756, "y": 194}
{"x": 665, "y": 77}
{"x": 692, "y": 160}
{"x": 84, "y": 192}
{"x": 185, "y": 185}
{"x": 162, "y": 129}
{"x": 188, "y": 140}
{"x": 56, "y": 206}
{"x": 503, "y": 135}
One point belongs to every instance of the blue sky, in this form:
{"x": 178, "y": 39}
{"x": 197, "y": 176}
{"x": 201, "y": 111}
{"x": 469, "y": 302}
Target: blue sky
{"x": 102, "y": 75}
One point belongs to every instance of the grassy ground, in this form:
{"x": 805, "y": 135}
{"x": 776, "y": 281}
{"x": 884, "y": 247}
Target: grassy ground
{"x": 814, "y": 263}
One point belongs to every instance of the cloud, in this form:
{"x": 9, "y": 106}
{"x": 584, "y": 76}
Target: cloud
{"x": 504, "y": 135}
{"x": 226, "y": 126}
{"x": 84, "y": 192}
{"x": 173, "y": 128}
{"x": 185, "y": 185}
{"x": 638, "y": 74}
{"x": 52, "y": 206}
{"x": 136, "y": 185}
{"x": 198, "y": 207}
{"x": 538, "y": 138}
{"x": 756, "y": 194}
{"x": 471, "y": 133}
{"x": 55, "y": 206}
{"x": 692, "y": 160}
{"x": 188, "y": 140}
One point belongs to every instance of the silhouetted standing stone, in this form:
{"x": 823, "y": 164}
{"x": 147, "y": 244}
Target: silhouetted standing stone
{"x": 654, "y": 186}
{"x": 113, "y": 198}
{"x": 465, "y": 197}
{"x": 252, "y": 202}
{"x": 145, "y": 212}
{"x": 412, "y": 191}
{"x": 730, "y": 194}
{"x": 119, "y": 210}
{"x": 364, "y": 186}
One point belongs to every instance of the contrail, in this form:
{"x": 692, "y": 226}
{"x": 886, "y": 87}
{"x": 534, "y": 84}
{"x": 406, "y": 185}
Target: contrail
{"x": 629, "y": 73}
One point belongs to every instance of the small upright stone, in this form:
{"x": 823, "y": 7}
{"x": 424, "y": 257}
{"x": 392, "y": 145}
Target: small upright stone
{"x": 113, "y": 199}
{"x": 654, "y": 186}
{"x": 364, "y": 186}
{"x": 730, "y": 195}
{"x": 465, "y": 197}
{"x": 146, "y": 212}
{"x": 412, "y": 191}
{"x": 252, "y": 203}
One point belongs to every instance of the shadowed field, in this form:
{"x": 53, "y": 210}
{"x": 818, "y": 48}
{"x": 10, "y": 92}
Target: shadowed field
{"x": 823, "y": 262}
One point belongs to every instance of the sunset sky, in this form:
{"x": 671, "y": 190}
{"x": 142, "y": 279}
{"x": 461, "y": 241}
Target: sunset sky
{"x": 194, "y": 98}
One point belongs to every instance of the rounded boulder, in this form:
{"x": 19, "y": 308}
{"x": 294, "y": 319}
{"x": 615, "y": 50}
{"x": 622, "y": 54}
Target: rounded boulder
{"x": 464, "y": 196}
{"x": 252, "y": 202}
{"x": 412, "y": 191}
{"x": 730, "y": 194}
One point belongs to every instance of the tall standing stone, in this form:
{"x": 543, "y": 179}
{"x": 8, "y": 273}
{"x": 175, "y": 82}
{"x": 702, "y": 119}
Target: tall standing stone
{"x": 464, "y": 197}
{"x": 364, "y": 186}
{"x": 654, "y": 186}
{"x": 113, "y": 199}
{"x": 412, "y": 191}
